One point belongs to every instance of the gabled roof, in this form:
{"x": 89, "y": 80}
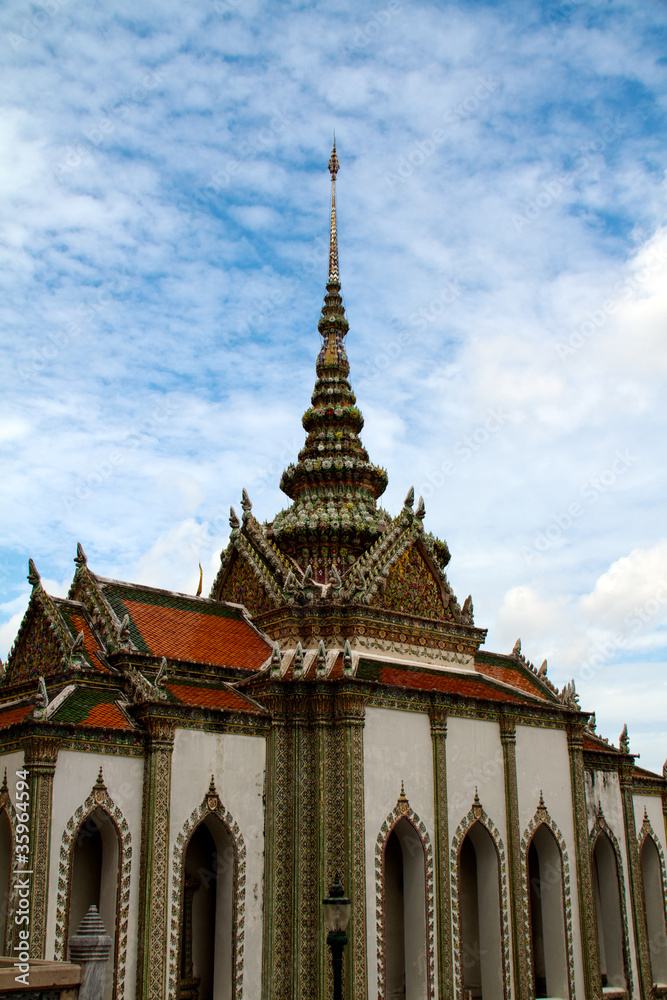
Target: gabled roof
{"x": 185, "y": 628}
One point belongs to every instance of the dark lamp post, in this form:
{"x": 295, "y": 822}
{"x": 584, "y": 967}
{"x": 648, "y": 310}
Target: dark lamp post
{"x": 337, "y": 911}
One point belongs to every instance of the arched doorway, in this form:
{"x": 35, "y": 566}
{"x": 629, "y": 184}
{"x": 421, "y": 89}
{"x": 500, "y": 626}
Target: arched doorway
{"x": 405, "y": 914}
{"x": 547, "y": 915}
{"x": 654, "y": 900}
{"x": 94, "y": 881}
{"x": 5, "y": 876}
{"x": 480, "y": 916}
{"x": 206, "y": 968}
{"x": 606, "y": 891}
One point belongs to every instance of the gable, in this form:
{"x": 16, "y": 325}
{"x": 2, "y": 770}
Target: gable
{"x": 243, "y": 587}
{"x": 38, "y": 649}
{"x": 412, "y": 589}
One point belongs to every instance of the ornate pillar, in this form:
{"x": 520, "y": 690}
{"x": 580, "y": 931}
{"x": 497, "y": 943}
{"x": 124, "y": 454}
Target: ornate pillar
{"x": 154, "y": 911}
{"x": 587, "y": 917}
{"x": 278, "y": 854}
{"x": 350, "y": 711}
{"x": 438, "y": 719}
{"x": 522, "y": 987}
{"x": 40, "y": 758}
{"x": 636, "y": 884}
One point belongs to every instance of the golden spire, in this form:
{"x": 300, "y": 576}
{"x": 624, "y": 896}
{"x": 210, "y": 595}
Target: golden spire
{"x": 334, "y": 167}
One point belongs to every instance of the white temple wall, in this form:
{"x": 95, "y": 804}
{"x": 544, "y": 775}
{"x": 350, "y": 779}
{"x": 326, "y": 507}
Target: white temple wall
{"x": 543, "y": 764}
{"x": 653, "y": 806}
{"x": 603, "y": 788}
{"x": 397, "y": 747}
{"x": 237, "y": 763}
{"x": 475, "y": 760}
{"x": 73, "y": 781}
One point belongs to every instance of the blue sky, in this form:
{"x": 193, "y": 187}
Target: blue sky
{"x": 503, "y": 253}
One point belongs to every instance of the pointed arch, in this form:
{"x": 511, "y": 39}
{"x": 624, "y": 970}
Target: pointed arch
{"x": 8, "y": 816}
{"x": 602, "y": 829}
{"x": 542, "y": 819}
{"x": 654, "y": 882}
{"x": 211, "y": 806}
{"x": 477, "y": 815}
{"x": 403, "y": 811}
{"x": 98, "y": 804}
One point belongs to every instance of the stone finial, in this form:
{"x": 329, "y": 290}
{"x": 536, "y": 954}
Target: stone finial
{"x": 542, "y": 672}
{"x": 80, "y": 558}
{"x": 298, "y": 659}
{"x": 337, "y": 579}
{"x": 90, "y": 948}
{"x": 591, "y": 725}
{"x": 233, "y": 519}
{"x": 516, "y": 649}
{"x": 245, "y": 502}
{"x": 410, "y": 498}
{"x": 467, "y": 612}
{"x": 623, "y": 740}
{"x": 421, "y": 509}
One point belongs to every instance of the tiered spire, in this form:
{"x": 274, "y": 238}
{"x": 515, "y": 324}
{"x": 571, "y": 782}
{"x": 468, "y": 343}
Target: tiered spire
{"x": 334, "y": 486}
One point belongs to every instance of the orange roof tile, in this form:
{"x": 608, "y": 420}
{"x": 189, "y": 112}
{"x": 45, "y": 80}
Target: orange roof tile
{"x": 187, "y": 635}
{"x": 205, "y": 697}
{"x": 17, "y": 713}
{"x": 515, "y": 678}
{"x": 424, "y": 680}
{"x": 107, "y": 716}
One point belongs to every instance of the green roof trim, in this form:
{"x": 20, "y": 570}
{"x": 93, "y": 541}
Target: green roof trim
{"x": 178, "y": 602}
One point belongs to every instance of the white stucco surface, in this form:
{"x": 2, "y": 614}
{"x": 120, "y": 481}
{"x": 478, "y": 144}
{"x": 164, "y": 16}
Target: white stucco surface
{"x": 653, "y": 806}
{"x": 475, "y": 760}
{"x": 397, "y": 747}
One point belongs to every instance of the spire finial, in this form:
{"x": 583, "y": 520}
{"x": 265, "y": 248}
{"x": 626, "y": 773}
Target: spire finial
{"x": 334, "y": 167}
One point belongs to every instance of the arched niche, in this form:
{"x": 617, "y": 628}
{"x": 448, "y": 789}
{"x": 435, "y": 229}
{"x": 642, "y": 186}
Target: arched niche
{"x": 480, "y": 916}
{"x": 547, "y": 918}
{"x": 610, "y": 914}
{"x": 209, "y": 859}
{"x": 95, "y": 881}
{"x": 405, "y": 913}
{"x": 207, "y": 908}
{"x": 480, "y": 905}
{"x": 96, "y": 847}
{"x": 405, "y": 920}
{"x": 547, "y": 907}
{"x": 6, "y": 853}
{"x": 653, "y": 880}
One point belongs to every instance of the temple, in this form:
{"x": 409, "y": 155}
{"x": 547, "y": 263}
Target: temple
{"x": 202, "y": 769}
